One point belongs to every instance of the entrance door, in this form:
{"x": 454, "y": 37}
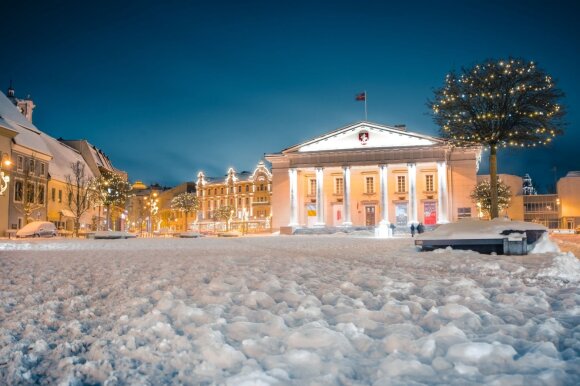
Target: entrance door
{"x": 430, "y": 213}
{"x": 337, "y": 215}
{"x": 570, "y": 224}
{"x": 370, "y": 216}
{"x": 401, "y": 213}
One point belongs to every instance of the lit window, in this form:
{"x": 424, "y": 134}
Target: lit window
{"x": 429, "y": 183}
{"x": 312, "y": 187}
{"x": 338, "y": 186}
{"x": 401, "y": 185}
{"x": 370, "y": 185}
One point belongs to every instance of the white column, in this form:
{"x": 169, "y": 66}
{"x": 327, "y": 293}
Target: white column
{"x": 384, "y": 195}
{"x": 320, "y": 197}
{"x": 412, "y": 172}
{"x": 346, "y": 185}
{"x": 293, "y": 179}
{"x": 442, "y": 210}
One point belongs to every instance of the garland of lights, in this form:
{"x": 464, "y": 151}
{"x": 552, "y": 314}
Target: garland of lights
{"x": 499, "y": 103}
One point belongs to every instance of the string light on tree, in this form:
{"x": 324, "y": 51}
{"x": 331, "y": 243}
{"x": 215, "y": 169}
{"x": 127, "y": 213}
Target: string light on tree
{"x": 499, "y": 103}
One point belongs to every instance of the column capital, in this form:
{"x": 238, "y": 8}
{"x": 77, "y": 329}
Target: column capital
{"x": 411, "y": 164}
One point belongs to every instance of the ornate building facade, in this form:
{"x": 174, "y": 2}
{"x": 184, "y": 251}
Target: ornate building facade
{"x": 368, "y": 174}
{"x": 247, "y": 194}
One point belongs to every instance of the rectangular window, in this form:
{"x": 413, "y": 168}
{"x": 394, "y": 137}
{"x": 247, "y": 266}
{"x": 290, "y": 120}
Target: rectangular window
{"x": 42, "y": 171}
{"x": 338, "y": 186}
{"x": 53, "y": 194}
{"x": 463, "y": 212}
{"x": 401, "y": 184}
{"x": 240, "y": 189}
{"x": 429, "y": 183}
{"x": 370, "y": 185}
{"x": 41, "y": 194}
{"x": 312, "y": 187}
{"x": 30, "y": 193}
{"x": 19, "y": 163}
{"x": 18, "y": 191}
{"x": 60, "y": 196}
{"x": 31, "y": 166}
{"x": 247, "y": 188}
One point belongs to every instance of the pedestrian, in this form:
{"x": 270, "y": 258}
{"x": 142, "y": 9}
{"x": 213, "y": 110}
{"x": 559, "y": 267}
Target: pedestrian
{"x": 420, "y": 228}
{"x": 393, "y": 227}
{"x": 412, "y": 230}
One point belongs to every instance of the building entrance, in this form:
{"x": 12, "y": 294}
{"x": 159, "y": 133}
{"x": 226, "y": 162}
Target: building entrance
{"x": 401, "y": 213}
{"x": 370, "y": 216}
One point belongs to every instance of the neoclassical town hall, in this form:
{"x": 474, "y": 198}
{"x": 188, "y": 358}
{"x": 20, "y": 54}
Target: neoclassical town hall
{"x": 368, "y": 174}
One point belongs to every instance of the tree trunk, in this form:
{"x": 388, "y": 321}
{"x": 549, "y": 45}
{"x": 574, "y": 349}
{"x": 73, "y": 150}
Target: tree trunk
{"x": 108, "y": 219}
{"x": 494, "y": 211}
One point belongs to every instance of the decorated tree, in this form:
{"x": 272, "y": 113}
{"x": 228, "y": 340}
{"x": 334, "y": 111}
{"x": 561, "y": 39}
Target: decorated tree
{"x": 481, "y": 195}
{"x": 78, "y": 187}
{"x": 224, "y": 213}
{"x": 498, "y": 103}
{"x": 111, "y": 190}
{"x": 185, "y": 203}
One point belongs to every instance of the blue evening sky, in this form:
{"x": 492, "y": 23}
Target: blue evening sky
{"x": 168, "y": 88}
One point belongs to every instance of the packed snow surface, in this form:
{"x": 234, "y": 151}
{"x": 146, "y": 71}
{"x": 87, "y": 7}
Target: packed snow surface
{"x": 299, "y": 310}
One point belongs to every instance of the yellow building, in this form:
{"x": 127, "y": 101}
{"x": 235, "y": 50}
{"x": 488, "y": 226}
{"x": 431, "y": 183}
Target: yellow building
{"x": 569, "y": 200}
{"x": 516, "y": 209}
{"x": 248, "y": 194}
{"x": 6, "y": 164}
{"x": 367, "y": 174}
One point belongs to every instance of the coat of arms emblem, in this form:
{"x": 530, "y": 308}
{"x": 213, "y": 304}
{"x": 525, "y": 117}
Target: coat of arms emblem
{"x": 363, "y": 137}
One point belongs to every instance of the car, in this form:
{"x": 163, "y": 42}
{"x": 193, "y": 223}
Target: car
{"x": 37, "y": 229}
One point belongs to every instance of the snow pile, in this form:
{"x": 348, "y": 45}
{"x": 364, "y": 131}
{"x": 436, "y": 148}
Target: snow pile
{"x": 284, "y": 310}
{"x": 545, "y": 245}
{"x": 566, "y": 267}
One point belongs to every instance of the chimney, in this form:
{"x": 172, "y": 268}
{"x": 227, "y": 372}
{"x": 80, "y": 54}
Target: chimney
{"x": 401, "y": 127}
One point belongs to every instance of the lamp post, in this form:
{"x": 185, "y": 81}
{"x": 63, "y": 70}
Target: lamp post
{"x": 4, "y": 178}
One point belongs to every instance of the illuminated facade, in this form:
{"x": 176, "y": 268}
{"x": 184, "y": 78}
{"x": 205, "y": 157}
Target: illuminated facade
{"x": 247, "y": 194}
{"x": 368, "y": 174}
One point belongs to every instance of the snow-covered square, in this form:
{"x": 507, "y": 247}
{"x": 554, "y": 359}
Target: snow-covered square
{"x": 300, "y": 310}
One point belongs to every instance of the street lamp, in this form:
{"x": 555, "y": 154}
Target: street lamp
{"x": 4, "y": 178}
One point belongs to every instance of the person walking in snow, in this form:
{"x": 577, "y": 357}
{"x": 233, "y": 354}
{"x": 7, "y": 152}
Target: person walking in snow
{"x": 412, "y": 230}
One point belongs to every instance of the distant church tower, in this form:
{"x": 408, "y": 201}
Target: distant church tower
{"x": 24, "y": 105}
{"x": 528, "y": 188}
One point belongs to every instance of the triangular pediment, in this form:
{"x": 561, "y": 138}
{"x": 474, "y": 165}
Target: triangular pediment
{"x": 365, "y": 135}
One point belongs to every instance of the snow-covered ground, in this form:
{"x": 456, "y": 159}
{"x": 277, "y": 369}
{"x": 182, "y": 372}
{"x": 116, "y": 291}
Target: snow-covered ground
{"x": 298, "y": 310}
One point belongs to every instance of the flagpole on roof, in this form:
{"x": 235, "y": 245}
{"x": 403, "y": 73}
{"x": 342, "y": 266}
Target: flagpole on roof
{"x": 366, "y": 104}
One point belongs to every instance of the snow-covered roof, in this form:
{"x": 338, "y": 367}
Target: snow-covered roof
{"x": 63, "y": 156}
{"x": 28, "y": 135}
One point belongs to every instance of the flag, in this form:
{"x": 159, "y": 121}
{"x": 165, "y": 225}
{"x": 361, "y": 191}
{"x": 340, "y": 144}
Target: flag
{"x": 360, "y": 96}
